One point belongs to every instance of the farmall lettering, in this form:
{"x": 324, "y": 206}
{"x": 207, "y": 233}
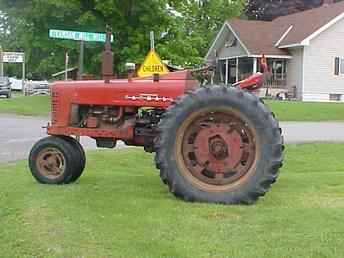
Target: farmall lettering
{"x": 149, "y": 97}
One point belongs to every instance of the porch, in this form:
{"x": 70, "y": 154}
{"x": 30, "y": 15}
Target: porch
{"x": 235, "y": 69}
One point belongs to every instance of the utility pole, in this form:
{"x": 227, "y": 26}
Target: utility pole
{"x": 1, "y": 63}
{"x": 152, "y": 40}
{"x": 66, "y": 65}
{"x": 81, "y": 59}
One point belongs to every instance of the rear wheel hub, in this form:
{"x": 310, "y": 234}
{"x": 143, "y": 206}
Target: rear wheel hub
{"x": 218, "y": 149}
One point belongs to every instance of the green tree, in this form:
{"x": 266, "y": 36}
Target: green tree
{"x": 184, "y": 29}
{"x": 271, "y": 9}
{"x": 196, "y": 26}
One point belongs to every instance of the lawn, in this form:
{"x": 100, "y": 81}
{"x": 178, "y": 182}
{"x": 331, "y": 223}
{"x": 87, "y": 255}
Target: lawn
{"x": 27, "y": 106}
{"x": 306, "y": 111}
{"x": 284, "y": 110}
{"x": 120, "y": 208}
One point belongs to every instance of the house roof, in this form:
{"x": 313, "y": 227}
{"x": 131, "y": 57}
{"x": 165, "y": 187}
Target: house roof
{"x": 307, "y": 22}
{"x": 275, "y": 37}
{"x": 259, "y": 36}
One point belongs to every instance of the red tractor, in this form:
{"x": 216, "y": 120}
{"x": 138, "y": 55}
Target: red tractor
{"x": 213, "y": 144}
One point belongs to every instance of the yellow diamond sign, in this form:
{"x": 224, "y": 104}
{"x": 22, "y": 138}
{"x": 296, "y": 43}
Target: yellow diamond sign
{"x": 152, "y": 65}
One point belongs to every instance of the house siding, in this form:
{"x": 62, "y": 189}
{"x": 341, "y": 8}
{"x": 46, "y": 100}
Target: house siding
{"x": 295, "y": 71}
{"x": 319, "y": 65}
{"x": 228, "y": 52}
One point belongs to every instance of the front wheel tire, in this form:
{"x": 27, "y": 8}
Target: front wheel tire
{"x": 55, "y": 160}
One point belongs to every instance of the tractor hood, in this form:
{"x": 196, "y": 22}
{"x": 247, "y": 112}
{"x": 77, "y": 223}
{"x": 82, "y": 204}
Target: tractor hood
{"x": 123, "y": 92}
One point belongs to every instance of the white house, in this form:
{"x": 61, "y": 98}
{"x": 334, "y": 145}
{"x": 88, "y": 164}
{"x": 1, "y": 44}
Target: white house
{"x": 305, "y": 52}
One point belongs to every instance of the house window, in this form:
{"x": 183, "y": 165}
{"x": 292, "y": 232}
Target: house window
{"x": 341, "y": 70}
{"x": 335, "y": 97}
{"x": 339, "y": 66}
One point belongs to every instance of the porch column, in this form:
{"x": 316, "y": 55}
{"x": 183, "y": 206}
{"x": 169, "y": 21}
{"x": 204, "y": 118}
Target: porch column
{"x": 255, "y": 65}
{"x": 226, "y": 73}
{"x": 237, "y": 70}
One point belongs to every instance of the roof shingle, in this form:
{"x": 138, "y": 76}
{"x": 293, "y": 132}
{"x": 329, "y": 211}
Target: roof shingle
{"x": 261, "y": 36}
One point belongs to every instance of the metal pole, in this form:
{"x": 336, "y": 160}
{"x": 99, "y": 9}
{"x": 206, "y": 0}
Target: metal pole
{"x": 237, "y": 70}
{"x": 152, "y": 40}
{"x": 1, "y": 63}
{"x": 81, "y": 59}
{"x": 23, "y": 74}
{"x": 226, "y": 80}
{"x": 66, "y": 65}
{"x": 255, "y": 65}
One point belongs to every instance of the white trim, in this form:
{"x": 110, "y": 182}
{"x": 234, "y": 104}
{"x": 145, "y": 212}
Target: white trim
{"x": 303, "y": 73}
{"x": 307, "y": 40}
{"x": 255, "y": 65}
{"x": 226, "y": 24}
{"x": 341, "y": 62}
{"x": 292, "y": 45}
{"x": 242, "y": 44}
{"x": 237, "y": 70}
{"x": 226, "y": 73}
{"x": 214, "y": 42}
{"x": 257, "y": 56}
{"x": 273, "y": 56}
{"x": 283, "y": 36}
{"x": 232, "y": 57}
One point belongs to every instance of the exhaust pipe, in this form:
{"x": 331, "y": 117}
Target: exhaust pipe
{"x": 107, "y": 65}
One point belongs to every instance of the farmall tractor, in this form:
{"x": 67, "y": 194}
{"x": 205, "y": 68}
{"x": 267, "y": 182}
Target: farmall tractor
{"x": 213, "y": 143}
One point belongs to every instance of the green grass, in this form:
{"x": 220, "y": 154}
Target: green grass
{"x": 27, "y": 106}
{"x": 306, "y": 111}
{"x": 119, "y": 208}
{"x": 284, "y": 110}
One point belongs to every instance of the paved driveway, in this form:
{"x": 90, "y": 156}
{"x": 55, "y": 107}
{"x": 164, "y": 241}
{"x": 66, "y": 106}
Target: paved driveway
{"x": 18, "y": 134}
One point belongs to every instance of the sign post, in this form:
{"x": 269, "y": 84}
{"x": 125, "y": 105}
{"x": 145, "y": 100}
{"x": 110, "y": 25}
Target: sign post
{"x": 23, "y": 75}
{"x": 152, "y": 40}
{"x": 81, "y": 59}
{"x": 13, "y": 57}
{"x": 66, "y": 65}
{"x": 1, "y": 63}
{"x": 152, "y": 63}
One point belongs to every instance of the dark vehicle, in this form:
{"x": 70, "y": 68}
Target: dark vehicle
{"x": 5, "y": 87}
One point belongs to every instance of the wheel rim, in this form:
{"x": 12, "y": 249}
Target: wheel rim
{"x": 51, "y": 163}
{"x": 216, "y": 149}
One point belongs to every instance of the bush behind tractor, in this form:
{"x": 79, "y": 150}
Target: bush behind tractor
{"x": 213, "y": 143}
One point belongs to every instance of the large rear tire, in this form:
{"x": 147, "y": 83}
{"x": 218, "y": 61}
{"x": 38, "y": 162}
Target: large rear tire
{"x": 219, "y": 145}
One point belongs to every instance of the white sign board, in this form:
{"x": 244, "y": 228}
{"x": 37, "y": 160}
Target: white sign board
{"x": 13, "y": 57}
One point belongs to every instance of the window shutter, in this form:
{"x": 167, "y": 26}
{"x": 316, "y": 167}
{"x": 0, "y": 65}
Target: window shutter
{"x": 336, "y": 68}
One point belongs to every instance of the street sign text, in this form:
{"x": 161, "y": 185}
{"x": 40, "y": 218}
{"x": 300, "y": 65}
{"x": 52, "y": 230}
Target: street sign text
{"x": 13, "y": 57}
{"x": 78, "y": 35}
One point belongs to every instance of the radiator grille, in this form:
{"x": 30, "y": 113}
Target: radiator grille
{"x": 55, "y": 105}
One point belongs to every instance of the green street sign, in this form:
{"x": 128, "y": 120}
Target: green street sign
{"x": 78, "y": 35}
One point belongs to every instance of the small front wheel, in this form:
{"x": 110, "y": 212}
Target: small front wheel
{"x": 80, "y": 157}
{"x": 51, "y": 161}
